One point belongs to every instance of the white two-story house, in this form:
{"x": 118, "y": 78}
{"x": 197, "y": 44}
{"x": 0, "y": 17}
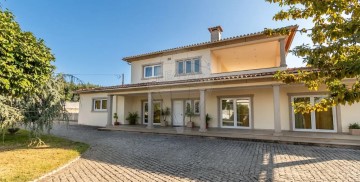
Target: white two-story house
{"x": 230, "y": 79}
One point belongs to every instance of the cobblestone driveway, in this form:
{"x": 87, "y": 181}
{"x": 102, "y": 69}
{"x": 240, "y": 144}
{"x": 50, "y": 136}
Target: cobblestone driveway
{"x": 121, "y": 156}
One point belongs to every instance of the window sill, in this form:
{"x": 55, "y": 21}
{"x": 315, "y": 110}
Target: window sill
{"x": 187, "y": 74}
{"x": 99, "y": 111}
{"x": 149, "y": 78}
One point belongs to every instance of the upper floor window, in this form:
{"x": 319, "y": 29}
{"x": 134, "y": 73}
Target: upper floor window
{"x": 152, "y": 71}
{"x": 188, "y": 66}
{"x": 100, "y": 104}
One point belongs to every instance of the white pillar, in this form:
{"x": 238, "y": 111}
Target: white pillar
{"x": 202, "y": 112}
{"x": 282, "y": 53}
{"x": 109, "y": 110}
{"x": 277, "y": 115}
{"x": 150, "y": 111}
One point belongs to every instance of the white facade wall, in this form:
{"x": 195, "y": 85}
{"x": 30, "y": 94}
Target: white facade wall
{"x": 169, "y": 66}
{"x": 349, "y": 114}
{"x": 262, "y": 108}
{"x": 86, "y": 114}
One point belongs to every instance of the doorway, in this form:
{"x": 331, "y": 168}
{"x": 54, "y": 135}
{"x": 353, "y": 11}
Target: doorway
{"x": 178, "y": 113}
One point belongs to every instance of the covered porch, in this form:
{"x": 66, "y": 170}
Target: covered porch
{"x": 246, "y": 106}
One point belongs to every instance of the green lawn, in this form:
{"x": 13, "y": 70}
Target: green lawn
{"x": 18, "y": 162}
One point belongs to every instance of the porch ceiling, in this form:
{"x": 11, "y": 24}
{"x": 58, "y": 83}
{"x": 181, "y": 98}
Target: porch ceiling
{"x": 259, "y": 55}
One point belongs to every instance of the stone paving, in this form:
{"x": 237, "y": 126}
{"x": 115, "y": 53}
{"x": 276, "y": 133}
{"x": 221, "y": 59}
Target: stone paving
{"x": 121, "y": 156}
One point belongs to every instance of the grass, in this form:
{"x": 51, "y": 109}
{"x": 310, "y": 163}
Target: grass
{"x": 18, "y": 162}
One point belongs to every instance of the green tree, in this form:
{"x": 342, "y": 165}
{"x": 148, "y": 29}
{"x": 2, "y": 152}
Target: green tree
{"x": 25, "y": 65}
{"x": 9, "y": 115}
{"x": 334, "y": 53}
{"x": 45, "y": 106}
{"x": 25, "y": 61}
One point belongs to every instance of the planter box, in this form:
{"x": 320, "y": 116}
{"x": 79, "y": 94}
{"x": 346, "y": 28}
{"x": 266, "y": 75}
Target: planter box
{"x": 354, "y": 131}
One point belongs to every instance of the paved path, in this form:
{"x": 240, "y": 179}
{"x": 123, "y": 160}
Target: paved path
{"x": 121, "y": 156}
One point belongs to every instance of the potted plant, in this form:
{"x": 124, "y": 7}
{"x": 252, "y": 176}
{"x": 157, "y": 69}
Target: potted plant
{"x": 12, "y": 130}
{"x": 164, "y": 113}
{"x": 189, "y": 113}
{"x": 207, "y": 119}
{"x": 116, "y": 117}
{"x": 354, "y": 129}
{"x": 132, "y": 118}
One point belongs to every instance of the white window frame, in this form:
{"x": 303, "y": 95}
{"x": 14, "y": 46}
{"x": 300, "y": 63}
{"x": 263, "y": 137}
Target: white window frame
{"x": 313, "y": 117}
{"x": 101, "y": 102}
{"x": 192, "y": 105}
{"x": 196, "y": 101}
{"x": 153, "y": 71}
{"x": 188, "y": 102}
{"x": 192, "y": 71}
{"x": 235, "y": 114}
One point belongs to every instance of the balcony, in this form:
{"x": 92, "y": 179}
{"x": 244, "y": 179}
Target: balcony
{"x": 246, "y": 57}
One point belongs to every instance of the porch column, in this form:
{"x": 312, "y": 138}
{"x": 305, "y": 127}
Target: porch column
{"x": 202, "y": 111}
{"x": 282, "y": 53}
{"x": 150, "y": 112}
{"x": 277, "y": 115}
{"x": 109, "y": 110}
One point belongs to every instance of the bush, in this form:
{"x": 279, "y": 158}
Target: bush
{"x": 354, "y": 126}
{"x": 132, "y": 118}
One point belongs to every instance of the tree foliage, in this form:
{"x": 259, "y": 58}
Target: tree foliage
{"x": 25, "y": 61}
{"x": 45, "y": 106}
{"x": 9, "y": 116}
{"x": 334, "y": 54}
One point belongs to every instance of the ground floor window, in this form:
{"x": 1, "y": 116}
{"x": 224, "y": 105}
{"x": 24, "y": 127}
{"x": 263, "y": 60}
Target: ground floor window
{"x": 235, "y": 112}
{"x": 193, "y": 105}
{"x": 157, "y": 112}
{"x": 314, "y": 121}
{"x": 100, "y": 104}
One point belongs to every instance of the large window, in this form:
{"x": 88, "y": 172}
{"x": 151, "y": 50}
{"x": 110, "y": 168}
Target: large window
{"x": 152, "y": 71}
{"x": 100, "y": 104}
{"x": 194, "y": 105}
{"x": 314, "y": 121}
{"x": 156, "y": 114}
{"x": 188, "y": 66}
{"x": 235, "y": 112}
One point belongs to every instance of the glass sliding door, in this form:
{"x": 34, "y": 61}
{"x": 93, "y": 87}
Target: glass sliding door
{"x": 324, "y": 119}
{"x": 227, "y": 113}
{"x": 156, "y": 113}
{"x": 235, "y": 113}
{"x": 243, "y": 112}
{"x": 314, "y": 121}
{"x": 302, "y": 121}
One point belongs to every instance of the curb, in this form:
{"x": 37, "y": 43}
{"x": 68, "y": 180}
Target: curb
{"x": 57, "y": 169}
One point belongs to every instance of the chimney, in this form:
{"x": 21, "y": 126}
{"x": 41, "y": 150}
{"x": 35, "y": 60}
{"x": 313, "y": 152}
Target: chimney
{"x": 215, "y": 33}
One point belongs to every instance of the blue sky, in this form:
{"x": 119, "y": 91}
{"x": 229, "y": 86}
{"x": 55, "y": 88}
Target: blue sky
{"x": 89, "y": 38}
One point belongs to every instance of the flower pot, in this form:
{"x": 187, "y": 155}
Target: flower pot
{"x": 116, "y": 123}
{"x": 190, "y": 124}
{"x": 13, "y": 130}
{"x": 354, "y": 131}
{"x": 163, "y": 123}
